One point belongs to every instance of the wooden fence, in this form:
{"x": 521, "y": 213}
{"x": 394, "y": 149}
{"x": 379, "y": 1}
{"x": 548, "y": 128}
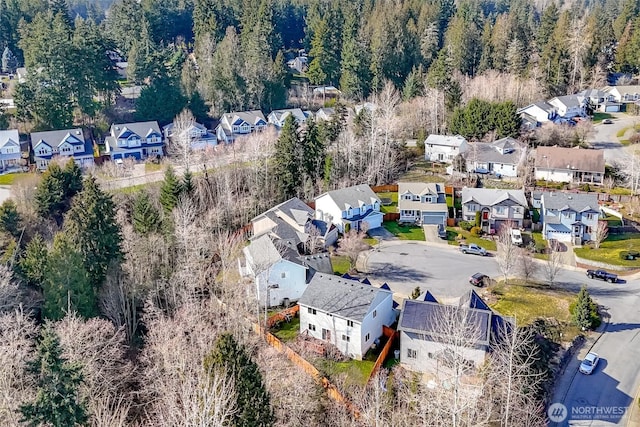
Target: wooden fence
{"x": 283, "y": 315}
{"x": 391, "y": 216}
{"x": 389, "y": 188}
{"x": 391, "y": 334}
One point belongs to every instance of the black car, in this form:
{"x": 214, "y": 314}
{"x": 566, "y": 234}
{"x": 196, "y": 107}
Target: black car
{"x": 442, "y": 232}
{"x": 602, "y": 275}
{"x": 479, "y": 280}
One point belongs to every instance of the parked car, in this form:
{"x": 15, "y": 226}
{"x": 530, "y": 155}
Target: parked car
{"x": 516, "y": 237}
{"x": 602, "y": 275}
{"x": 473, "y": 249}
{"x": 479, "y": 280}
{"x": 589, "y": 363}
{"x": 482, "y": 171}
{"x": 607, "y": 122}
{"x": 442, "y": 232}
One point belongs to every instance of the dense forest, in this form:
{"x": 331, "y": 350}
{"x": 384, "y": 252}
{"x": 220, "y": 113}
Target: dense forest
{"x": 219, "y": 55}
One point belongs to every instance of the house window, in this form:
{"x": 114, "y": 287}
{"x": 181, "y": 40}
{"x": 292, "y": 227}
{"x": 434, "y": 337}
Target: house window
{"x": 283, "y": 275}
{"x": 472, "y": 208}
{"x": 499, "y": 210}
{"x": 516, "y": 209}
{"x": 375, "y": 313}
{"x": 346, "y": 338}
{"x": 412, "y": 354}
{"x": 366, "y": 337}
{"x": 588, "y": 216}
{"x": 311, "y": 311}
{"x": 566, "y": 214}
{"x": 312, "y": 327}
{"x": 350, "y": 323}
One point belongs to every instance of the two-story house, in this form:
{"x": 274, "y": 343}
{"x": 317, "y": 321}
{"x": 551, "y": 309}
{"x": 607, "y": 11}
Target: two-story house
{"x": 600, "y": 100}
{"x": 434, "y": 336}
{"x": 277, "y": 117}
{"x": 623, "y": 94}
{"x": 569, "y": 106}
{"x": 9, "y": 149}
{"x": 541, "y": 112}
{"x": 234, "y": 125}
{"x": 346, "y": 313}
{"x": 502, "y": 157}
{"x": 138, "y": 140}
{"x": 497, "y": 207}
{"x": 444, "y": 148}
{"x": 576, "y": 165}
{"x": 351, "y": 208}
{"x": 197, "y": 133}
{"x": 61, "y": 143}
{"x": 422, "y": 203}
{"x": 569, "y": 217}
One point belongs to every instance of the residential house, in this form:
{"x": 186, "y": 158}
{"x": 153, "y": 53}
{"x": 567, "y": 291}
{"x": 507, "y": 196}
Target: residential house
{"x": 422, "y": 203}
{"x": 569, "y": 217}
{"x": 21, "y": 74}
{"x": 280, "y": 274}
{"x": 569, "y": 106}
{"x": 199, "y": 136}
{"x": 444, "y": 148}
{"x": 429, "y": 339}
{"x": 299, "y": 64}
{"x": 350, "y": 208}
{"x": 497, "y": 207}
{"x": 61, "y": 143}
{"x": 541, "y": 111}
{"x": 623, "y": 94}
{"x": 10, "y": 154}
{"x": 600, "y": 100}
{"x": 234, "y": 125}
{"x": 293, "y": 222}
{"x": 501, "y": 157}
{"x": 325, "y": 114}
{"x": 138, "y": 140}
{"x": 346, "y": 313}
{"x": 326, "y": 91}
{"x": 278, "y": 117}
{"x": 575, "y": 165}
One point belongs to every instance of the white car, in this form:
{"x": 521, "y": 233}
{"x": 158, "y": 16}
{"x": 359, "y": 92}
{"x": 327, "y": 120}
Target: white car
{"x": 589, "y": 363}
{"x": 516, "y": 237}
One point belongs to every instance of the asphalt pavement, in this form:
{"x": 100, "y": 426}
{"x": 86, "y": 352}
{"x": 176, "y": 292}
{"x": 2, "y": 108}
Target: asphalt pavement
{"x": 605, "y": 137}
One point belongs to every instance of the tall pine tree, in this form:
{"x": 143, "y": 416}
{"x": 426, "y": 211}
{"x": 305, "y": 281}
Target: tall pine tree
{"x": 170, "y": 190}
{"x": 33, "y": 264}
{"x": 145, "y": 217}
{"x": 286, "y": 159}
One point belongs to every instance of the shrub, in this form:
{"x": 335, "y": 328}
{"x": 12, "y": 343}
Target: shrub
{"x": 476, "y": 231}
{"x": 584, "y": 311}
{"x": 459, "y": 237}
{"x": 478, "y": 219}
{"x": 466, "y": 225}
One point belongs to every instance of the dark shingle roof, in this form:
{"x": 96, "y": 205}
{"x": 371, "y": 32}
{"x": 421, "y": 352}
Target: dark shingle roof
{"x": 352, "y": 196}
{"x": 570, "y": 159}
{"x": 577, "y": 202}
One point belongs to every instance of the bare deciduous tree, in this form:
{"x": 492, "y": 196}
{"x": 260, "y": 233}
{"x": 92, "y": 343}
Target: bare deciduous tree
{"x": 527, "y": 266}
{"x": 599, "y": 233}
{"x": 507, "y": 251}
{"x": 351, "y": 245}
{"x": 553, "y": 263}
{"x": 181, "y": 140}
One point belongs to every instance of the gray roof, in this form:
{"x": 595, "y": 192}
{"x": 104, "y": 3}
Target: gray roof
{"x": 544, "y": 105}
{"x": 593, "y": 93}
{"x": 9, "y": 135}
{"x": 142, "y": 129}
{"x": 252, "y": 117}
{"x": 483, "y": 152}
{"x": 263, "y": 253}
{"x": 352, "y": 197}
{"x": 571, "y": 101}
{"x": 342, "y": 297}
{"x": 493, "y": 196}
{"x": 281, "y": 115}
{"x": 294, "y": 208}
{"x": 420, "y": 188}
{"x": 168, "y": 129}
{"x": 318, "y": 262}
{"x": 562, "y": 158}
{"x": 54, "y": 138}
{"x": 577, "y": 202}
{"x": 445, "y": 140}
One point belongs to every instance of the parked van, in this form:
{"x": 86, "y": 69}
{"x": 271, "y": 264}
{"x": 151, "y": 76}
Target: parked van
{"x": 516, "y": 237}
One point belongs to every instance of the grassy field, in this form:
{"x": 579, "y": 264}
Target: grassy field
{"x": 452, "y": 233}
{"x": 340, "y": 264}
{"x": 424, "y": 171}
{"x": 529, "y": 302}
{"x": 10, "y": 178}
{"x": 404, "y": 232}
{"x": 609, "y": 251}
{"x": 354, "y": 371}
{"x": 598, "y": 117}
{"x": 153, "y": 167}
{"x": 394, "y": 199}
{"x": 288, "y": 331}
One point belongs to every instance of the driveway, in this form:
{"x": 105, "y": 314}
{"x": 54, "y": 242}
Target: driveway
{"x": 605, "y": 137}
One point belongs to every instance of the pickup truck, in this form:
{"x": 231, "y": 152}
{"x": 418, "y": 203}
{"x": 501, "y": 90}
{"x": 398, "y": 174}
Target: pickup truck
{"x": 602, "y": 275}
{"x": 473, "y": 249}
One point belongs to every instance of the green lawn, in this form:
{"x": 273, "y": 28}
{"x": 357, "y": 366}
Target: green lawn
{"x": 393, "y": 207}
{"x": 10, "y": 178}
{"x": 423, "y": 171}
{"x": 404, "y": 232}
{"x": 340, "y": 264}
{"x": 622, "y": 131}
{"x": 452, "y": 233}
{"x": 152, "y": 167}
{"x": 288, "y": 331}
{"x": 598, "y": 117}
{"x": 527, "y": 303}
{"x": 609, "y": 251}
{"x": 354, "y": 371}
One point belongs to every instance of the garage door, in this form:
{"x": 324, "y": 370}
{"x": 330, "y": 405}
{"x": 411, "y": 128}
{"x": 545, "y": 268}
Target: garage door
{"x": 559, "y": 236}
{"x": 612, "y": 108}
{"x": 433, "y": 218}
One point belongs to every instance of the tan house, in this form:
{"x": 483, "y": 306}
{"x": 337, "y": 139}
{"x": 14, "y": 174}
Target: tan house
{"x": 575, "y": 165}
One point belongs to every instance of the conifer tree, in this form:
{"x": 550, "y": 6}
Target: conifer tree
{"x": 93, "y": 229}
{"x": 33, "y": 264}
{"x": 252, "y": 398}
{"x": 585, "y": 313}
{"x": 66, "y": 284}
{"x": 56, "y": 402}
{"x": 9, "y": 218}
{"x": 170, "y": 190}
{"x": 324, "y": 65}
{"x": 9, "y": 61}
{"x": 187, "y": 183}
{"x": 286, "y": 159}
{"x": 72, "y": 183}
{"x": 50, "y": 194}
{"x": 145, "y": 217}
{"x": 312, "y": 150}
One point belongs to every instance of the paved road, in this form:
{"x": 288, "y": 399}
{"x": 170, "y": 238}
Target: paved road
{"x": 605, "y": 137}
{"x": 444, "y": 271}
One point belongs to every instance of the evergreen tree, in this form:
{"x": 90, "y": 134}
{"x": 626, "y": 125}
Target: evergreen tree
{"x": 67, "y": 284}
{"x": 324, "y": 65}
{"x": 10, "y": 218}
{"x": 506, "y": 120}
{"x": 92, "y": 227}
{"x": 187, "y": 183}
{"x": 57, "y": 402}
{"x": 547, "y": 25}
{"x": 354, "y": 67}
{"x": 170, "y": 191}
{"x": 72, "y": 179}
{"x": 50, "y": 194}
{"x": 585, "y": 313}
{"x": 162, "y": 100}
{"x": 286, "y": 159}
{"x": 145, "y": 216}
{"x": 413, "y": 85}
{"x": 312, "y": 150}
{"x": 33, "y": 264}
{"x": 252, "y": 398}
{"x": 9, "y": 61}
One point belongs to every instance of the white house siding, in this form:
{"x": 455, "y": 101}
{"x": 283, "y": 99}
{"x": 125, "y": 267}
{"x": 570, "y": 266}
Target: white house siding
{"x": 446, "y": 154}
{"x": 290, "y": 279}
{"x": 328, "y": 211}
{"x": 554, "y": 175}
{"x": 337, "y": 327}
{"x": 426, "y": 351}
